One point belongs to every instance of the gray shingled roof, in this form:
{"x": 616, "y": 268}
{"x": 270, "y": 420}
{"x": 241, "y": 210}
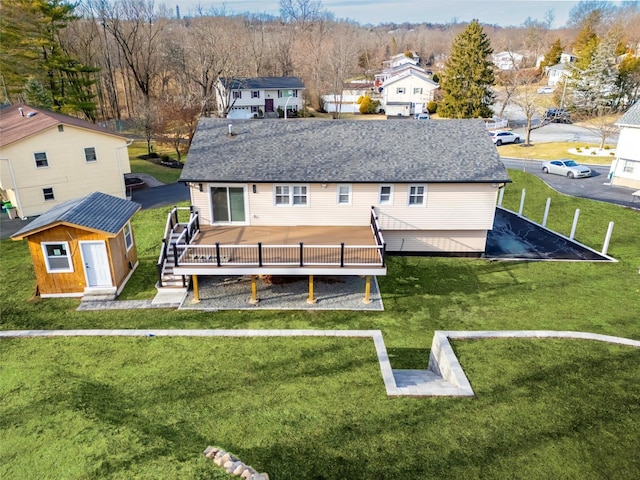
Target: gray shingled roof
{"x": 631, "y": 118}
{"x": 333, "y": 151}
{"x": 96, "y": 211}
{"x": 261, "y": 83}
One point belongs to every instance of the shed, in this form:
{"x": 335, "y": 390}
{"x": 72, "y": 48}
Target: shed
{"x": 83, "y": 246}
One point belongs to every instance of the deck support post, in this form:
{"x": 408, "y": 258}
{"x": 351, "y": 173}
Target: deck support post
{"x": 367, "y": 290}
{"x": 311, "y": 300}
{"x": 254, "y": 291}
{"x": 196, "y": 291}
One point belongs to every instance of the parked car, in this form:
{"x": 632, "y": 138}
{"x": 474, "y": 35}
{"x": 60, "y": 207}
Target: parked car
{"x": 421, "y": 116}
{"x": 501, "y": 136}
{"x": 557, "y": 115}
{"x": 545, "y": 90}
{"x": 566, "y": 167}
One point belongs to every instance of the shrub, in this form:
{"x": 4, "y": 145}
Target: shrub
{"x": 164, "y": 158}
{"x": 578, "y": 150}
{"x": 432, "y": 107}
{"x": 593, "y": 152}
{"x": 606, "y": 147}
{"x": 612, "y": 154}
{"x": 368, "y": 106}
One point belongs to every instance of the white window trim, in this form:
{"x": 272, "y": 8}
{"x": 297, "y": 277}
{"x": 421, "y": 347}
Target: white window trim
{"x": 124, "y": 232}
{"x": 35, "y": 160}
{"x": 388, "y": 202}
{"x": 245, "y": 191}
{"x": 349, "y": 193}
{"x": 424, "y": 195}
{"x": 401, "y": 90}
{"x": 43, "y": 245}
{"x": 95, "y": 151}
{"x": 291, "y": 187}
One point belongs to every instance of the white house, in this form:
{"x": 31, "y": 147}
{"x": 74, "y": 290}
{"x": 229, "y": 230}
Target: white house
{"x": 259, "y": 97}
{"x": 556, "y": 73}
{"x": 625, "y": 168}
{"x": 47, "y": 158}
{"x": 347, "y": 100}
{"x": 401, "y": 59}
{"x": 507, "y": 60}
{"x": 408, "y": 93}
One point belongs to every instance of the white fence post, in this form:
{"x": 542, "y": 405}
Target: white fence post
{"x": 524, "y": 192}
{"x": 546, "y": 212}
{"x": 500, "y": 197}
{"x": 605, "y": 247}
{"x": 575, "y": 224}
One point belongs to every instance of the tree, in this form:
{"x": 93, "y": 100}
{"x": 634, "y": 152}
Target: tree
{"x": 525, "y": 97}
{"x": 586, "y": 42}
{"x": 552, "y": 57}
{"x": 367, "y": 105}
{"x": 627, "y": 82}
{"x": 36, "y": 95}
{"x": 601, "y": 123}
{"x": 468, "y": 76}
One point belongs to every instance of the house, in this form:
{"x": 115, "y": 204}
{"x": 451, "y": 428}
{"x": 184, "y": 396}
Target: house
{"x": 556, "y": 73}
{"x": 47, "y": 158}
{"x": 507, "y": 60}
{"x": 321, "y": 197}
{"x": 347, "y": 100}
{"x": 625, "y": 168}
{"x": 567, "y": 57}
{"x": 83, "y": 246}
{"x": 245, "y": 98}
{"x": 387, "y": 73}
{"x": 400, "y": 59}
{"x": 407, "y": 93}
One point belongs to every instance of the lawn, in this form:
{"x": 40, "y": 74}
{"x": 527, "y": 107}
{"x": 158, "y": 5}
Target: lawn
{"x": 552, "y": 151}
{"x": 139, "y": 165}
{"x": 316, "y": 408}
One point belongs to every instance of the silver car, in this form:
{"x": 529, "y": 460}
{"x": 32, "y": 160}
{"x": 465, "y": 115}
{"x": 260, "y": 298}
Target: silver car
{"x": 567, "y": 168}
{"x": 500, "y": 136}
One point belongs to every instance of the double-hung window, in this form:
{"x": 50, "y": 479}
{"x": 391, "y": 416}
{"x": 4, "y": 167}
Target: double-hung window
{"x": 56, "y": 256}
{"x": 416, "y": 194}
{"x": 255, "y": 94}
{"x": 386, "y": 195}
{"x": 237, "y": 94}
{"x": 417, "y": 91}
{"x": 400, "y": 90}
{"x": 48, "y": 194}
{"x": 41, "y": 159}
{"x": 90, "y": 154}
{"x": 128, "y": 236}
{"x": 344, "y": 194}
{"x": 296, "y": 195}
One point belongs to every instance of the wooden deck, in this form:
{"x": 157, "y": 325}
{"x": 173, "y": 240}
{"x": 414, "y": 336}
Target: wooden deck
{"x": 249, "y": 235}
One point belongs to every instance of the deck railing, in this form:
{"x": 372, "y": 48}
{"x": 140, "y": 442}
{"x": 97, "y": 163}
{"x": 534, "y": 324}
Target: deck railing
{"x": 173, "y": 221}
{"x": 260, "y": 255}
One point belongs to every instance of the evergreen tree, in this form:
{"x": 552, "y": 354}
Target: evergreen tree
{"x": 587, "y": 41}
{"x": 36, "y": 96}
{"x": 468, "y": 76}
{"x": 552, "y": 57}
{"x": 31, "y": 47}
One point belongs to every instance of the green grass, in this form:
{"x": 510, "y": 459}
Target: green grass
{"x": 552, "y": 151}
{"x": 162, "y": 173}
{"x": 316, "y": 408}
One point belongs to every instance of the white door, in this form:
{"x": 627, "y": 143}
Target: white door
{"x": 96, "y": 264}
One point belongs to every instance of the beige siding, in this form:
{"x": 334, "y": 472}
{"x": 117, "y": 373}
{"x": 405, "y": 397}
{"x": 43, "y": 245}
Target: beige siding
{"x": 68, "y": 173}
{"x": 448, "y": 207}
{"x": 435, "y": 241}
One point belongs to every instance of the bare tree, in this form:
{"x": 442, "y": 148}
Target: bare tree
{"x": 526, "y": 97}
{"x": 341, "y": 62}
{"x": 602, "y": 123}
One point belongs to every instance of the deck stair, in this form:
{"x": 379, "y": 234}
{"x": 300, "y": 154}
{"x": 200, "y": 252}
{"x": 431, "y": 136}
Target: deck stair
{"x": 174, "y": 235}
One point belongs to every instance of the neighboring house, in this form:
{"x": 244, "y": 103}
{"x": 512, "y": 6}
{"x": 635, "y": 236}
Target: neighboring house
{"x": 556, "y": 73}
{"x": 386, "y": 74}
{"x": 347, "y": 100}
{"x": 330, "y": 198}
{"x": 407, "y": 93}
{"x": 401, "y": 59}
{"x": 507, "y": 60}
{"x": 566, "y": 57}
{"x": 47, "y": 158}
{"x": 625, "y": 169}
{"x": 245, "y": 98}
{"x": 83, "y": 246}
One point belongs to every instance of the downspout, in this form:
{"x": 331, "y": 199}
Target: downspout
{"x": 124, "y": 187}
{"x": 15, "y": 188}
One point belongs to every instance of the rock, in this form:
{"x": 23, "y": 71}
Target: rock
{"x": 226, "y": 458}
{"x": 218, "y": 461}
{"x": 228, "y": 464}
{"x": 259, "y": 476}
{"x": 247, "y": 473}
{"x": 240, "y": 467}
{"x": 210, "y": 452}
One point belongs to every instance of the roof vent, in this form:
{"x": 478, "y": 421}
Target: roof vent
{"x": 21, "y": 111}
{"x": 231, "y": 133}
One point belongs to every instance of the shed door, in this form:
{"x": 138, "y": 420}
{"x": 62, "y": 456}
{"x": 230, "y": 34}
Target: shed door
{"x": 96, "y": 264}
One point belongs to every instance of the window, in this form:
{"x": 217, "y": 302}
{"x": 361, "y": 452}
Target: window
{"x": 48, "y": 194}
{"x": 254, "y": 109}
{"x": 416, "y": 194}
{"x": 344, "y": 194}
{"x": 255, "y": 94}
{"x": 90, "y": 154}
{"x": 41, "y": 159}
{"x": 128, "y": 236}
{"x": 628, "y": 166}
{"x": 61, "y": 128}
{"x": 56, "y": 256}
{"x": 287, "y": 93}
{"x": 417, "y": 90}
{"x": 237, "y": 94}
{"x": 386, "y": 194}
{"x": 400, "y": 90}
{"x": 297, "y": 195}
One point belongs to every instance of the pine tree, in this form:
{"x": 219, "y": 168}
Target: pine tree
{"x": 468, "y": 76}
{"x": 552, "y": 57}
{"x": 587, "y": 40}
{"x": 36, "y": 96}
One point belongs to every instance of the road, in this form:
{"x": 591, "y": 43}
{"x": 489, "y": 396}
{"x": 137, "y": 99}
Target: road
{"x": 595, "y": 187}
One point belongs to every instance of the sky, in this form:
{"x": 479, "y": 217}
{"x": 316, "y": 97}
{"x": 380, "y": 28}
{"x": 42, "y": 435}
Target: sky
{"x": 505, "y": 13}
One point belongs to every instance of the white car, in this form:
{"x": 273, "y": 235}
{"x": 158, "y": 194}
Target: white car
{"x": 567, "y": 168}
{"x": 501, "y": 136}
{"x": 545, "y": 90}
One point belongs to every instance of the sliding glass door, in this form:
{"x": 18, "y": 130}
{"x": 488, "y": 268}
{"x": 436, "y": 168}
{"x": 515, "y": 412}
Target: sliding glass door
{"x": 228, "y": 204}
